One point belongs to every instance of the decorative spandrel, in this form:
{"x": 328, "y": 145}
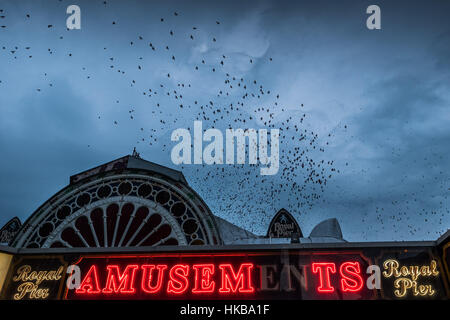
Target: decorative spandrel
{"x": 9, "y": 230}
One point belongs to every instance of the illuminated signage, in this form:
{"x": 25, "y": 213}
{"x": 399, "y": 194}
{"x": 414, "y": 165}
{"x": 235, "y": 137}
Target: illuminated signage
{"x": 287, "y": 274}
{"x": 35, "y": 278}
{"x": 407, "y": 278}
{"x": 31, "y": 280}
{"x": 152, "y": 279}
{"x": 271, "y": 275}
{"x": 412, "y": 274}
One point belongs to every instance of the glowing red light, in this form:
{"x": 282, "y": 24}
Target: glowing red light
{"x": 89, "y": 284}
{"x": 203, "y": 282}
{"x": 232, "y": 282}
{"x": 215, "y": 280}
{"x": 324, "y": 269}
{"x": 351, "y": 279}
{"x": 178, "y": 282}
{"x": 147, "y": 277}
{"x": 120, "y": 283}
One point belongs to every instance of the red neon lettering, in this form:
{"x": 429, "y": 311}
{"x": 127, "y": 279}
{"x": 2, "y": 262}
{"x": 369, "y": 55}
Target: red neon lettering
{"x": 324, "y": 268}
{"x": 178, "y": 282}
{"x": 232, "y": 282}
{"x": 351, "y": 279}
{"x": 90, "y": 282}
{"x": 203, "y": 283}
{"x": 146, "y": 283}
{"x": 120, "y": 283}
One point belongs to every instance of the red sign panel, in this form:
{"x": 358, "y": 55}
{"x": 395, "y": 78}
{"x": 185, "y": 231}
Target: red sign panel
{"x": 289, "y": 275}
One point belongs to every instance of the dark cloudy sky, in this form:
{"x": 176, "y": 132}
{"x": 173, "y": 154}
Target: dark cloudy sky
{"x": 382, "y": 95}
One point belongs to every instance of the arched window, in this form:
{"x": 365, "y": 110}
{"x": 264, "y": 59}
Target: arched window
{"x": 120, "y": 210}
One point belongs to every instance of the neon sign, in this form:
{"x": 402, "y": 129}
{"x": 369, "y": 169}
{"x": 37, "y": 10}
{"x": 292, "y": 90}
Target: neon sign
{"x": 228, "y": 275}
{"x": 30, "y": 282}
{"x": 222, "y": 276}
{"x": 178, "y": 281}
{"x": 407, "y": 278}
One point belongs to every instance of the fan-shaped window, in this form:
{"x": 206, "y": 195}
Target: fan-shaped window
{"x": 105, "y": 227}
{"x": 121, "y": 211}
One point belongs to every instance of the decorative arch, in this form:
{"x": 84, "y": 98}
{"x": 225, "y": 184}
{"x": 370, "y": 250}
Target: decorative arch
{"x": 120, "y": 209}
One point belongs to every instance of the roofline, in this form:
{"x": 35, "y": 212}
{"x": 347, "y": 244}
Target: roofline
{"x": 256, "y": 247}
{"x": 90, "y": 169}
{"x": 445, "y": 236}
{"x": 6, "y": 249}
{"x": 183, "y": 178}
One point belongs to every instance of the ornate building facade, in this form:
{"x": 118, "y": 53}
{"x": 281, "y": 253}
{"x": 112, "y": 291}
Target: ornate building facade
{"x": 132, "y": 229}
{"x": 131, "y": 202}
